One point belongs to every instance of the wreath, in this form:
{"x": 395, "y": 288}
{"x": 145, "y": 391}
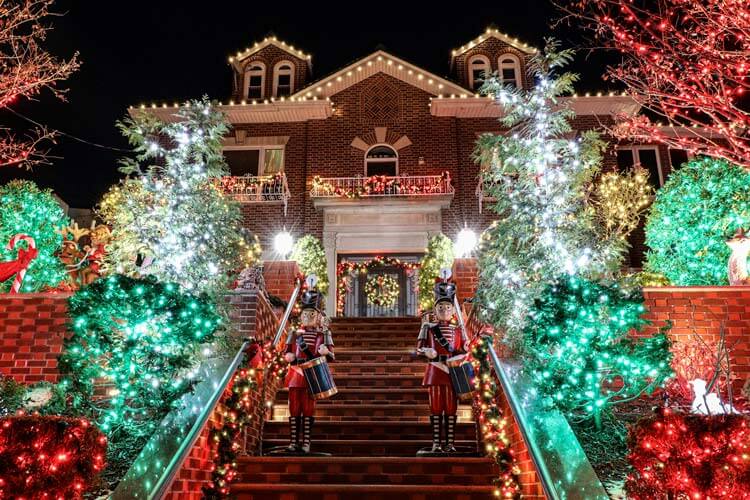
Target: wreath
{"x": 382, "y": 290}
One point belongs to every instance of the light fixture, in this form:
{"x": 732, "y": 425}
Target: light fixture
{"x": 466, "y": 242}
{"x": 283, "y": 243}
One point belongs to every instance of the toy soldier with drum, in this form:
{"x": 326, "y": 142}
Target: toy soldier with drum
{"x": 448, "y": 374}
{"x": 308, "y": 349}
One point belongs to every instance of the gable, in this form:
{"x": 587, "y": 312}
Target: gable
{"x": 381, "y": 62}
{"x": 239, "y": 59}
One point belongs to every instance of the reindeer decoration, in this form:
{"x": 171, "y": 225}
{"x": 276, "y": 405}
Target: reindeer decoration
{"x": 83, "y": 251}
{"x": 737, "y": 269}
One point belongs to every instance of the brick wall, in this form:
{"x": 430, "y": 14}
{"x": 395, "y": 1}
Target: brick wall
{"x": 703, "y": 311}
{"x": 279, "y": 276}
{"x": 32, "y": 329}
{"x": 466, "y": 278}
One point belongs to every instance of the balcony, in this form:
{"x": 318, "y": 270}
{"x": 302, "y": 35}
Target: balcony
{"x": 380, "y": 187}
{"x": 257, "y": 189}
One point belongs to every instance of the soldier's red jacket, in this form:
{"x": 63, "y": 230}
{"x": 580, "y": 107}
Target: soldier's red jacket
{"x": 313, "y": 338}
{"x": 435, "y": 375}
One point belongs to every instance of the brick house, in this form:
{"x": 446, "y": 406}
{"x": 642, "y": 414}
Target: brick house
{"x": 381, "y": 115}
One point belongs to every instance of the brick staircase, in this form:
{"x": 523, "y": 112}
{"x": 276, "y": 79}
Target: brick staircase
{"x": 372, "y": 428}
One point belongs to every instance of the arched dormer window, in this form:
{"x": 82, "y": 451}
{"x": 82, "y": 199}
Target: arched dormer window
{"x": 509, "y": 70}
{"x": 255, "y": 81}
{"x": 479, "y": 69}
{"x": 381, "y": 160}
{"x": 283, "y": 79}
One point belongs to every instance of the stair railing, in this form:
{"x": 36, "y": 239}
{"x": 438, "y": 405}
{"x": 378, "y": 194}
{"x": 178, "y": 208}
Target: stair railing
{"x": 563, "y": 469}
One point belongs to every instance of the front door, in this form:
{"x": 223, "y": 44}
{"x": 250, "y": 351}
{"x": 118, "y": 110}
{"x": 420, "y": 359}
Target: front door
{"x": 357, "y": 303}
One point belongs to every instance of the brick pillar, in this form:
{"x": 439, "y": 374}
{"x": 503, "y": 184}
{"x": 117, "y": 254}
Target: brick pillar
{"x": 279, "y": 276}
{"x": 466, "y": 276}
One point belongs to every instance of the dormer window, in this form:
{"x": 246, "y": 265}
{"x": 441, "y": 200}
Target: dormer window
{"x": 255, "y": 79}
{"x": 509, "y": 70}
{"x": 479, "y": 69}
{"x": 283, "y": 79}
{"x": 381, "y": 160}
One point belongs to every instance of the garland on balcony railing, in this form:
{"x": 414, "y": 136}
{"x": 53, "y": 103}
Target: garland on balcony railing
{"x": 233, "y": 184}
{"x": 345, "y": 268}
{"x": 382, "y": 184}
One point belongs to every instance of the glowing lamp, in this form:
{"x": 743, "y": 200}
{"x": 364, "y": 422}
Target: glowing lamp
{"x": 466, "y": 242}
{"x": 283, "y": 243}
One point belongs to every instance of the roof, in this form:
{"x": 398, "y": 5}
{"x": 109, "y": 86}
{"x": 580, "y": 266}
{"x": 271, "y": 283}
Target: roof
{"x": 494, "y": 33}
{"x": 268, "y": 41}
{"x": 381, "y": 61}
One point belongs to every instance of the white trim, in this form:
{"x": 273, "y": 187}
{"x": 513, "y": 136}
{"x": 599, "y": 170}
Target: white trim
{"x": 487, "y": 69}
{"x": 635, "y": 148}
{"x": 242, "y": 55}
{"x": 249, "y": 72}
{"x": 380, "y": 160}
{"x": 261, "y": 154}
{"x": 277, "y": 72}
{"x": 515, "y": 65}
{"x": 493, "y": 33}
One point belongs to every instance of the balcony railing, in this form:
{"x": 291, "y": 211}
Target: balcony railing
{"x": 257, "y": 189}
{"x": 382, "y": 186}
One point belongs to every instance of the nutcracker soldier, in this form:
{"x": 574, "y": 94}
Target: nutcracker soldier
{"x": 439, "y": 340}
{"x": 309, "y": 341}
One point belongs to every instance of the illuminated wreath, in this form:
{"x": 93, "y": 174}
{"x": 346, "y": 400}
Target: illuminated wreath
{"x": 382, "y": 290}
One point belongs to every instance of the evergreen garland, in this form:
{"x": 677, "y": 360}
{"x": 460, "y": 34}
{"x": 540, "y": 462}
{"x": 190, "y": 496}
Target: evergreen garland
{"x": 439, "y": 255}
{"x": 310, "y": 256}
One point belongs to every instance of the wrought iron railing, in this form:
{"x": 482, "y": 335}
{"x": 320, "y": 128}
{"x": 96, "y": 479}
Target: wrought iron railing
{"x": 257, "y": 188}
{"x": 382, "y": 186}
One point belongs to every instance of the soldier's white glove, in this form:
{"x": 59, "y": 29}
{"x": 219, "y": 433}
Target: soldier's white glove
{"x": 430, "y": 352}
{"x": 323, "y": 350}
{"x": 290, "y": 357}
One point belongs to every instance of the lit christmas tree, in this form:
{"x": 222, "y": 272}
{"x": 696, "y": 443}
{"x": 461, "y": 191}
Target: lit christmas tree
{"x": 539, "y": 177}
{"x": 310, "y": 255}
{"x": 26, "y": 209}
{"x": 699, "y": 208}
{"x": 439, "y": 256}
{"x": 580, "y": 355}
{"x": 171, "y": 220}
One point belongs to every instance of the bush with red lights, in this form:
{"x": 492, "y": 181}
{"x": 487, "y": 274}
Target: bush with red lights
{"x": 689, "y": 456}
{"x": 49, "y": 457}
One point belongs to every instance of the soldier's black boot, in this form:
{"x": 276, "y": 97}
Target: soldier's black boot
{"x": 450, "y": 428}
{"x": 435, "y": 421}
{"x": 306, "y": 432}
{"x": 294, "y": 424}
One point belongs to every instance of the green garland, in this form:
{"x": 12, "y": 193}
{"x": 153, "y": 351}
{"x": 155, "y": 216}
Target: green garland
{"x": 382, "y": 290}
{"x": 699, "y": 208}
{"x": 439, "y": 255}
{"x": 24, "y": 208}
{"x": 310, "y": 256}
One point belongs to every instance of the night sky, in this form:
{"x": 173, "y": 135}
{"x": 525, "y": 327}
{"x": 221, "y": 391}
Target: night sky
{"x": 138, "y": 52}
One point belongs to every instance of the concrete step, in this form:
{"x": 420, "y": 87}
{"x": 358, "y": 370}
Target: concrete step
{"x": 281, "y": 491}
{"x": 379, "y": 430}
{"x": 396, "y": 355}
{"x": 345, "y": 381}
{"x": 375, "y": 370}
{"x": 382, "y": 395}
{"x": 367, "y": 447}
{"x": 371, "y": 412}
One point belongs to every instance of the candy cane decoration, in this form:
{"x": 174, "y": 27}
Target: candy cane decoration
{"x": 24, "y": 259}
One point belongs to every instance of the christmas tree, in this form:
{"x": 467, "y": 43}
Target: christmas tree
{"x": 539, "y": 174}
{"x": 171, "y": 220}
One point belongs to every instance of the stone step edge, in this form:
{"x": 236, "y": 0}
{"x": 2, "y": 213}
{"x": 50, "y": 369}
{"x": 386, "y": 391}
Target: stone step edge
{"x": 367, "y": 459}
{"x": 362, "y": 488}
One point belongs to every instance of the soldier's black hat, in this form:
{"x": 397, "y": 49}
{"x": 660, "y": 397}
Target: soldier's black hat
{"x": 311, "y": 299}
{"x": 445, "y": 292}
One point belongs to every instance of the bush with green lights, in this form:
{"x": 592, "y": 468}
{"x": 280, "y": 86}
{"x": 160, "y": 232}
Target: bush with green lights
{"x": 699, "y": 208}
{"x": 26, "y": 209}
{"x": 439, "y": 255}
{"x": 580, "y": 355}
{"x": 310, "y": 255}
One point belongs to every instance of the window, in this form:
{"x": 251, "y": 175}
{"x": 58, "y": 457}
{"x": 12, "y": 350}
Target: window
{"x": 509, "y": 70}
{"x": 283, "y": 79}
{"x": 677, "y": 157}
{"x": 645, "y": 156}
{"x": 479, "y": 69}
{"x": 255, "y": 79}
{"x": 254, "y": 160}
{"x": 381, "y": 160}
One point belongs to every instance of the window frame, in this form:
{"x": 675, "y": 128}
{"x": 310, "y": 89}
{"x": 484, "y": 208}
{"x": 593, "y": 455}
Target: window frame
{"x": 635, "y": 149}
{"x": 516, "y": 65}
{"x": 487, "y": 69}
{"x": 249, "y": 72}
{"x": 381, "y": 160}
{"x": 277, "y": 72}
{"x": 261, "y": 156}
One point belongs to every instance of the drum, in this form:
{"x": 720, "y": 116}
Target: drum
{"x": 462, "y": 376}
{"x": 319, "y": 378}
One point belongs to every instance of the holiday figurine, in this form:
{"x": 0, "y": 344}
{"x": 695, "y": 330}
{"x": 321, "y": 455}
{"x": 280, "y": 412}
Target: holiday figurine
{"x": 307, "y": 351}
{"x": 439, "y": 341}
{"x": 737, "y": 269}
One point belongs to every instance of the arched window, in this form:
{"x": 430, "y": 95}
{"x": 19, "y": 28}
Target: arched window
{"x": 479, "y": 69}
{"x": 509, "y": 70}
{"x": 283, "y": 79}
{"x": 255, "y": 81}
{"x": 381, "y": 160}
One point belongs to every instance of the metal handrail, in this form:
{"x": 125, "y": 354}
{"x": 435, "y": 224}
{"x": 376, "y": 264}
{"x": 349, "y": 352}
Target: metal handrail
{"x": 287, "y": 313}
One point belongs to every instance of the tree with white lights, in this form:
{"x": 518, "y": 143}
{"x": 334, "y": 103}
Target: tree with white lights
{"x": 171, "y": 220}
{"x": 540, "y": 174}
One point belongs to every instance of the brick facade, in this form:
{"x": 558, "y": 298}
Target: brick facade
{"x": 32, "y": 330}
